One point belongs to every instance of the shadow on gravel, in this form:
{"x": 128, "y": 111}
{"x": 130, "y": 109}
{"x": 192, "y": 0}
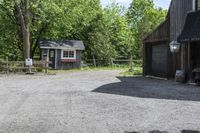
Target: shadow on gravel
{"x": 189, "y": 131}
{"x": 151, "y": 88}
{"x": 157, "y": 131}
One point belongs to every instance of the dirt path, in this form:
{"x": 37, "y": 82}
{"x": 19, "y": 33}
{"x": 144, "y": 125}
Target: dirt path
{"x": 96, "y": 102}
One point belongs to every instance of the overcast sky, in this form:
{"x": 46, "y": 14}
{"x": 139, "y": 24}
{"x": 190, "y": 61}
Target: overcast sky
{"x": 159, "y": 3}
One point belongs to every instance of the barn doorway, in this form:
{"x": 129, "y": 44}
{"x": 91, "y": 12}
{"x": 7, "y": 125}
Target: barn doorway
{"x": 159, "y": 60}
{"x": 195, "y": 62}
{"x": 195, "y": 55}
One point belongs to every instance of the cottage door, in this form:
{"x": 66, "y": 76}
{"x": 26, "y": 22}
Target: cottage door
{"x": 52, "y": 58}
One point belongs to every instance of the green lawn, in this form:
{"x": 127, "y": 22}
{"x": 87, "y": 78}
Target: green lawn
{"x": 137, "y": 71}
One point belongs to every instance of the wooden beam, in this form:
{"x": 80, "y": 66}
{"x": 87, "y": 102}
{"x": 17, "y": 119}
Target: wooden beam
{"x": 157, "y": 40}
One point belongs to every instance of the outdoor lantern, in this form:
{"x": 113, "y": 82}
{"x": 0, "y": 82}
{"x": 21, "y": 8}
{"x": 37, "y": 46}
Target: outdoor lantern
{"x": 174, "y": 46}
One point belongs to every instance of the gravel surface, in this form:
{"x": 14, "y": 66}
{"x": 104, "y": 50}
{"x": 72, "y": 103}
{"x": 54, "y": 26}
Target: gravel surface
{"x": 97, "y": 102}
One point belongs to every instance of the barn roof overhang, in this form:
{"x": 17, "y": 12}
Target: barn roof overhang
{"x": 191, "y": 30}
{"x": 161, "y": 33}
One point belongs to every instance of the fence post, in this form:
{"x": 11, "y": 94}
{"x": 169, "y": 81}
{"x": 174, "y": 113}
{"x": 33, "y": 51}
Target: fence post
{"x": 131, "y": 64}
{"x": 7, "y": 66}
{"x": 46, "y": 65}
{"x": 94, "y": 62}
{"x": 111, "y": 62}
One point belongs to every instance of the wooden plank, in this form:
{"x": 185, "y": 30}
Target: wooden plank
{"x": 157, "y": 40}
{"x": 19, "y": 65}
{"x": 178, "y": 13}
{"x": 160, "y": 33}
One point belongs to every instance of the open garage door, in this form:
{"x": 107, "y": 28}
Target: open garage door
{"x": 159, "y": 60}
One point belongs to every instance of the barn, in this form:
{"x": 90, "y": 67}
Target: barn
{"x": 175, "y": 44}
{"x": 64, "y": 54}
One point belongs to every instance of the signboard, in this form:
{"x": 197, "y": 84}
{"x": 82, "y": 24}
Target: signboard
{"x": 29, "y": 62}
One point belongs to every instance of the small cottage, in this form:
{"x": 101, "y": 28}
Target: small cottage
{"x": 174, "y": 45}
{"x": 65, "y": 54}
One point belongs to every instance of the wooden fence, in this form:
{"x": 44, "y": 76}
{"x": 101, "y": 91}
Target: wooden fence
{"x": 112, "y": 62}
{"x": 19, "y": 66}
{"x": 7, "y": 66}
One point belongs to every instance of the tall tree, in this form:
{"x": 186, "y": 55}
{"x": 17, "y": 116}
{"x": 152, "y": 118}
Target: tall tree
{"x": 23, "y": 18}
{"x": 108, "y": 35}
{"x": 121, "y": 36}
{"x": 143, "y": 18}
{"x": 44, "y": 19}
{"x": 97, "y": 37}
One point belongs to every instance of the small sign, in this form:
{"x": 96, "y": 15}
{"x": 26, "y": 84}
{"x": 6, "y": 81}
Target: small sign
{"x": 29, "y": 62}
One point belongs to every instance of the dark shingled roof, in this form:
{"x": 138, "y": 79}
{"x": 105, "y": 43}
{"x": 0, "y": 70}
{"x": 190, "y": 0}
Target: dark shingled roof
{"x": 62, "y": 44}
{"x": 191, "y": 31}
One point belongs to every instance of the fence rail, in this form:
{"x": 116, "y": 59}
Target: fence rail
{"x": 112, "y": 62}
{"x": 19, "y": 66}
{"x": 129, "y": 64}
{"x": 38, "y": 66}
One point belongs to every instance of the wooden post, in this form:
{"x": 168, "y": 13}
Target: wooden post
{"x": 7, "y": 66}
{"x": 111, "y": 62}
{"x": 144, "y": 63}
{"x": 46, "y": 65}
{"x": 94, "y": 62}
{"x": 189, "y": 63}
{"x": 131, "y": 64}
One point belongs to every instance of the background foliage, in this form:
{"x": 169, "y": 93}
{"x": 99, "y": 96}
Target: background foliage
{"x": 107, "y": 32}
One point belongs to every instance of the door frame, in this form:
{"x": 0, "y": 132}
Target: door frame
{"x": 166, "y": 74}
{"x": 53, "y": 65}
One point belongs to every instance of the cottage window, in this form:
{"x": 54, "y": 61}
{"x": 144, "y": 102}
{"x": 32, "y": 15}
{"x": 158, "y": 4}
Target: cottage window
{"x": 198, "y": 4}
{"x": 66, "y": 54}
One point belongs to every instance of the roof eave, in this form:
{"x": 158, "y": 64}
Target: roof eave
{"x": 43, "y": 47}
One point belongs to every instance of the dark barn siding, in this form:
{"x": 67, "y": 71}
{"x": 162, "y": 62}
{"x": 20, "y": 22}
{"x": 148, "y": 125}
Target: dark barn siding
{"x": 178, "y": 14}
{"x": 159, "y": 38}
{"x": 159, "y": 60}
{"x": 165, "y": 33}
{"x": 160, "y": 34}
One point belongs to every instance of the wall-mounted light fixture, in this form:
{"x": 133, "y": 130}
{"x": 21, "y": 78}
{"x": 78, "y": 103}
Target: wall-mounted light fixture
{"x": 174, "y": 46}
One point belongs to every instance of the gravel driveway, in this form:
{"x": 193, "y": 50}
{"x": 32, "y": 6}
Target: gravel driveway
{"x": 97, "y": 102}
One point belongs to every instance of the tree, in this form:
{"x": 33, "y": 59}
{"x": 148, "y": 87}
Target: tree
{"x": 8, "y": 46}
{"x": 108, "y": 35}
{"x": 97, "y": 39}
{"x": 143, "y": 18}
{"x": 121, "y": 37}
{"x": 109, "y": 32}
{"x": 23, "y": 19}
{"x": 49, "y": 19}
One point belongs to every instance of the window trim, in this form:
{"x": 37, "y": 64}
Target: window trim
{"x": 62, "y": 56}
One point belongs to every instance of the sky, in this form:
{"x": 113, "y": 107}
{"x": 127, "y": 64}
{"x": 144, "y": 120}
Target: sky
{"x": 159, "y": 3}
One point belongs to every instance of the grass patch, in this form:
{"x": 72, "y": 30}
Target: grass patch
{"x": 136, "y": 72}
{"x": 52, "y": 72}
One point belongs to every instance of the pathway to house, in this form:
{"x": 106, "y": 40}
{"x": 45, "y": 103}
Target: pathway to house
{"x": 96, "y": 102}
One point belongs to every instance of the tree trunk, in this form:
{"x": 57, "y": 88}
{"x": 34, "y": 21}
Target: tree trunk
{"x": 23, "y": 17}
{"x": 26, "y": 44}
